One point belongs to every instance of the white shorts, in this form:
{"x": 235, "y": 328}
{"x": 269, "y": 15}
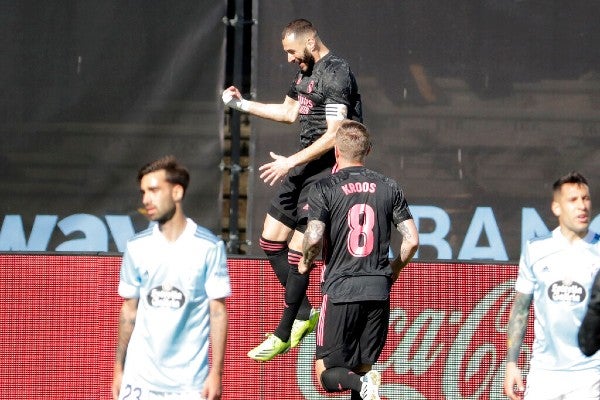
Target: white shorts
{"x": 569, "y": 385}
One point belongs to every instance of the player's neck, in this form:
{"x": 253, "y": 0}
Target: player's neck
{"x": 320, "y": 51}
{"x": 347, "y": 164}
{"x": 572, "y": 236}
{"x": 174, "y": 227}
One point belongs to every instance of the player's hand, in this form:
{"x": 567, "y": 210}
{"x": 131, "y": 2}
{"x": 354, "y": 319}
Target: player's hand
{"x": 304, "y": 268}
{"x": 116, "y": 384}
{"x": 275, "y": 171}
{"x": 231, "y": 93}
{"x": 513, "y": 382}
{"x": 233, "y": 98}
{"x": 213, "y": 389}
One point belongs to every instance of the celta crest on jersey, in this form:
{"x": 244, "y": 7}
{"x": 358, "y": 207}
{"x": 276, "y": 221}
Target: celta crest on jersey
{"x": 166, "y": 296}
{"x": 566, "y": 292}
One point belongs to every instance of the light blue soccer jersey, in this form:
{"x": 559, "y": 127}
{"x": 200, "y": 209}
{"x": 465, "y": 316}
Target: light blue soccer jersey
{"x": 174, "y": 281}
{"x": 559, "y": 274}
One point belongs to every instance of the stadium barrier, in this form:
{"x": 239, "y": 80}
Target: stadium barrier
{"x": 446, "y": 337}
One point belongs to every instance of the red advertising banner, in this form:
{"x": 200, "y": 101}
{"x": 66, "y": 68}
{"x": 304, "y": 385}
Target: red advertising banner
{"x": 446, "y": 339}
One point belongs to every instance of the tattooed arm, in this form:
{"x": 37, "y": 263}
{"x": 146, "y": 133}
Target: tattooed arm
{"x": 311, "y": 245}
{"x": 126, "y": 323}
{"x": 408, "y": 248}
{"x": 219, "y": 323}
{"x": 517, "y": 325}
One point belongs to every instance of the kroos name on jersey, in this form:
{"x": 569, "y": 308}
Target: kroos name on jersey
{"x": 359, "y": 187}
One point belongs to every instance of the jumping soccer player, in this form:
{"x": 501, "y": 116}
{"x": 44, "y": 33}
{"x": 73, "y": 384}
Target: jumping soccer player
{"x": 321, "y": 95}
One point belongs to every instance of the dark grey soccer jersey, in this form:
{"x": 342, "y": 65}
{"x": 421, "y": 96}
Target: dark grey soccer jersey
{"x": 329, "y": 82}
{"x": 358, "y": 207}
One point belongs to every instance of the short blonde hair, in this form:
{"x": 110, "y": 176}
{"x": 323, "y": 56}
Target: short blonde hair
{"x": 353, "y": 140}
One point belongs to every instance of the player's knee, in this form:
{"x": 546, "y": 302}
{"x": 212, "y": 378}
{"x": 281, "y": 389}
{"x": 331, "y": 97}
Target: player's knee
{"x": 330, "y": 381}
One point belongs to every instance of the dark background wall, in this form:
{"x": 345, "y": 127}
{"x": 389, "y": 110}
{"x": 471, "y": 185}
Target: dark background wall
{"x": 476, "y": 107}
{"x": 471, "y": 103}
{"x": 91, "y": 91}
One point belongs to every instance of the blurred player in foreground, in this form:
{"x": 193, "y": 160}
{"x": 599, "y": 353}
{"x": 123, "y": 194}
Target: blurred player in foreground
{"x": 589, "y": 332}
{"x": 174, "y": 282}
{"x": 352, "y": 212}
{"x": 555, "y": 275}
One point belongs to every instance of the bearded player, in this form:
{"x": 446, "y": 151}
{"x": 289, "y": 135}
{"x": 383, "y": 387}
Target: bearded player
{"x": 322, "y": 94}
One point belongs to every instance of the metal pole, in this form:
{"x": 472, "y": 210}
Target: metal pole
{"x": 238, "y": 23}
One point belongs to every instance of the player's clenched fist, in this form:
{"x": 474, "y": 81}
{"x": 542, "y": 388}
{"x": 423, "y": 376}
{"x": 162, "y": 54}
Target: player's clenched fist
{"x": 233, "y": 98}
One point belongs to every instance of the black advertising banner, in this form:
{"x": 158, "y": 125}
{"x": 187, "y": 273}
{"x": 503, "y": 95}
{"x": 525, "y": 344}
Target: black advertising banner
{"x": 476, "y": 108}
{"x": 91, "y": 91}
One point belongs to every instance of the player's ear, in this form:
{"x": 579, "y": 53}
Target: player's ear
{"x": 556, "y": 208}
{"x": 310, "y": 43}
{"x": 178, "y": 192}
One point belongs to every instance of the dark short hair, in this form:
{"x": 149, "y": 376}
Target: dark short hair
{"x": 571, "y": 177}
{"x": 299, "y": 27}
{"x": 176, "y": 173}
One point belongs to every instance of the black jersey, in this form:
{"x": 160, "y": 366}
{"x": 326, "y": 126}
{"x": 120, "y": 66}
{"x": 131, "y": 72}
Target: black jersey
{"x": 330, "y": 81}
{"x": 358, "y": 207}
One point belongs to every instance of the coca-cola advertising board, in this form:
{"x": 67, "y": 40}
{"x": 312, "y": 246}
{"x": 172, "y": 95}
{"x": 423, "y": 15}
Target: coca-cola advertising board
{"x": 446, "y": 336}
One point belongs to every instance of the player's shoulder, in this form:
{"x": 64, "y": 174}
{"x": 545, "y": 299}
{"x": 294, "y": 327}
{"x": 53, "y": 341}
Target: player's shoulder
{"x": 385, "y": 180}
{"x": 205, "y": 234}
{"x": 543, "y": 246}
{"x": 332, "y": 62}
{"x": 143, "y": 234}
{"x": 142, "y": 240}
{"x": 542, "y": 240}
{"x": 594, "y": 238}
{"x": 328, "y": 182}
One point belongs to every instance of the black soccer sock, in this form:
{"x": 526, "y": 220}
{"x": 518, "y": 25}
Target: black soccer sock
{"x": 277, "y": 254}
{"x": 295, "y": 295}
{"x": 354, "y": 395}
{"x": 338, "y": 379}
{"x": 303, "y": 312}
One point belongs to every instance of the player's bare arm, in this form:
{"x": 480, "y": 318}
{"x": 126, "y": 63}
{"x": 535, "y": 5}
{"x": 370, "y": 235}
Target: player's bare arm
{"x": 286, "y": 112}
{"x": 408, "y": 247}
{"x": 276, "y": 170}
{"x": 127, "y": 317}
{"x": 311, "y": 245}
{"x": 219, "y": 322}
{"x": 517, "y": 325}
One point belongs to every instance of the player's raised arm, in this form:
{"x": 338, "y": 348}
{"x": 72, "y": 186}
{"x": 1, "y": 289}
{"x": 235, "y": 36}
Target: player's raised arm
{"x": 286, "y": 112}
